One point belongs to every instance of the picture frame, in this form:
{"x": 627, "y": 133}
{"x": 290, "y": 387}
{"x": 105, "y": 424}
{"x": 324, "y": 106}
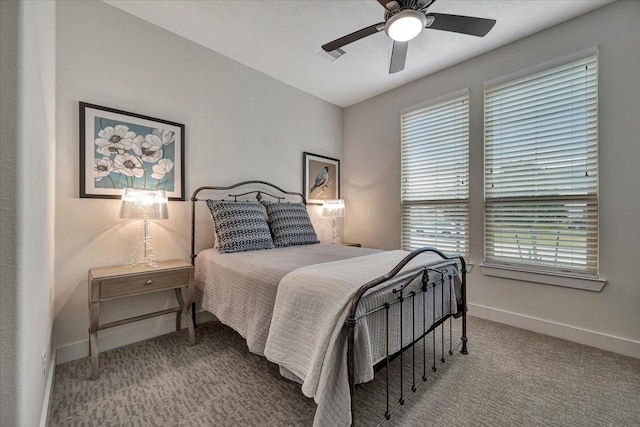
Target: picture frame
{"x": 320, "y": 177}
{"x": 121, "y": 149}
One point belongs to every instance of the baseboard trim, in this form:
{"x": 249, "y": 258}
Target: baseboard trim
{"x": 48, "y": 391}
{"x": 570, "y": 333}
{"x": 124, "y": 335}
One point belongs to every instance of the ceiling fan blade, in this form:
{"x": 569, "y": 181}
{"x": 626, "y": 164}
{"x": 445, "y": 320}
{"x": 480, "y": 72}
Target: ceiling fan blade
{"x": 389, "y": 4}
{"x": 350, "y": 38}
{"x": 425, "y": 3}
{"x": 398, "y": 56}
{"x": 460, "y": 24}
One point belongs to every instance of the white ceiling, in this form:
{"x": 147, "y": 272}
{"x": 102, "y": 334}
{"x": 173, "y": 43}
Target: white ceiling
{"x": 282, "y": 38}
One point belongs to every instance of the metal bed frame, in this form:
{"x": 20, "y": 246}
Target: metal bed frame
{"x": 400, "y": 295}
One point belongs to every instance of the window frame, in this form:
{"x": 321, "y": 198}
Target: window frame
{"x": 532, "y": 272}
{"x": 434, "y": 202}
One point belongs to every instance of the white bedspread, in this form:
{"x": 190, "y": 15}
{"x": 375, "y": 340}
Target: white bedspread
{"x": 307, "y": 337}
{"x": 240, "y": 288}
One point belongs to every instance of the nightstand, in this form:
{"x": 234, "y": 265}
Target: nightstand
{"x": 110, "y": 283}
{"x": 357, "y": 245}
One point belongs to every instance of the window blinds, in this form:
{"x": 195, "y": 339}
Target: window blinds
{"x": 435, "y": 176}
{"x": 541, "y": 170}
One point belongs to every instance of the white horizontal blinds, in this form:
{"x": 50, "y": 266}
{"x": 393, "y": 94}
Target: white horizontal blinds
{"x": 435, "y": 176}
{"x": 541, "y": 170}
{"x": 444, "y": 226}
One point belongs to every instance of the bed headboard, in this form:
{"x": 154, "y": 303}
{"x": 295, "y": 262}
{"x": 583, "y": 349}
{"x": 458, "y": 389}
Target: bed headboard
{"x": 246, "y": 189}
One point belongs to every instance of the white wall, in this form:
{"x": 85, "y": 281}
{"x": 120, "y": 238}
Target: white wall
{"x": 240, "y": 124}
{"x": 372, "y": 189}
{"x": 28, "y": 108}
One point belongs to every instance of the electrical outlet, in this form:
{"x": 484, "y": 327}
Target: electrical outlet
{"x": 44, "y": 363}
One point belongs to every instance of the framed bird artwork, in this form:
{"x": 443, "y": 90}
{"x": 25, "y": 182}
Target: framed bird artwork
{"x": 321, "y": 178}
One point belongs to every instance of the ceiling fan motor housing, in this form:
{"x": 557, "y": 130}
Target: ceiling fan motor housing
{"x": 393, "y": 7}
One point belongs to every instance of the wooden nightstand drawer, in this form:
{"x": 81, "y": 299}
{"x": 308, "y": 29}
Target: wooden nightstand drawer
{"x": 126, "y": 285}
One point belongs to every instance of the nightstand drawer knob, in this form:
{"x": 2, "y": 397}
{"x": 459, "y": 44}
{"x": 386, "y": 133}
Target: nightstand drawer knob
{"x": 149, "y": 282}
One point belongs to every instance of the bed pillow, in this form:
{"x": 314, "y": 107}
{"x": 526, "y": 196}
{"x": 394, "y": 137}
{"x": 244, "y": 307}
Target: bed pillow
{"x": 240, "y": 226}
{"x": 290, "y": 224}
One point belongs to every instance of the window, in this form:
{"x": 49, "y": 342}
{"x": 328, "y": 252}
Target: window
{"x": 541, "y": 171}
{"x": 435, "y": 176}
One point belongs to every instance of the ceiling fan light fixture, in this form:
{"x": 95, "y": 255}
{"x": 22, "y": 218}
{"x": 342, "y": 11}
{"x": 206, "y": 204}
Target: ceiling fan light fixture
{"x": 405, "y": 25}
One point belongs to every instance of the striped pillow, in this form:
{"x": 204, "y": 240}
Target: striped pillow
{"x": 290, "y": 224}
{"x": 240, "y": 226}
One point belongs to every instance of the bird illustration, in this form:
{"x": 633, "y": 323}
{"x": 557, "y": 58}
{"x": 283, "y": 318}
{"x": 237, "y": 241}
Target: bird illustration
{"x": 321, "y": 179}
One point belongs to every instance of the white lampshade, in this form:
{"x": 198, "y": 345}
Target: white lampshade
{"x": 333, "y": 208}
{"x": 405, "y": 25}
{"x": 144, "y": 204}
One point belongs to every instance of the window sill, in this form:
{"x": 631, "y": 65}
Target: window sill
{"x": 567, "y": 281}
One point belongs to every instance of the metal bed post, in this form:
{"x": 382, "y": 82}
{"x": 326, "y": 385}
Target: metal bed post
{"x": 413, "y": 339}
{"x": 387, "y": 414}
{"x": 351, "y": 323}
{"x": 450, "y": 317}
{"x": 401, "y": 400}
{"x": 464, "y": 338}
{"x": 425, "y": 288}
{"x": 433, "y": 321}
{"x": 193, "y": 250}
{"x": 442, "y": 359}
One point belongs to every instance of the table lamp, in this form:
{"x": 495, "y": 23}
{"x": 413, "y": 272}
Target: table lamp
{"x": 334, "y": 209}
{"x": 146, "y": 205}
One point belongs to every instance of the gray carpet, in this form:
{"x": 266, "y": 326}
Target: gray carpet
{"x": 511, "y": 377}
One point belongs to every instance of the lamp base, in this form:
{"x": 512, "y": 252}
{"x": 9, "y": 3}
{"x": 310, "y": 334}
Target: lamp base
{"x": 149, "y": 262}
{"x": 133, "y": 260}
{"x": 149, "y": 254}
{"x": 335, "y": 238}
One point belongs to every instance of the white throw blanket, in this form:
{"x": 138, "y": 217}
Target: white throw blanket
{"x": 307, "y": 337}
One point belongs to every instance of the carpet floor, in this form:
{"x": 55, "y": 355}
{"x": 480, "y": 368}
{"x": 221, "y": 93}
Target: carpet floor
{"x": 511, "y": 377}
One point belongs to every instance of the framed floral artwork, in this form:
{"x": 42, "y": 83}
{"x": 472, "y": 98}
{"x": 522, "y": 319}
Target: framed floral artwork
{"x": 119, "y": 149}
{"x": 321, "y": 178}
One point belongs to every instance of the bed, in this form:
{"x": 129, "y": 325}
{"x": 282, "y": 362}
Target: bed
{"x": 329, "y": 315}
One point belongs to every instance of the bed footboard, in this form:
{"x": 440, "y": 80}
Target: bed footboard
{"x": 406, "y": 298}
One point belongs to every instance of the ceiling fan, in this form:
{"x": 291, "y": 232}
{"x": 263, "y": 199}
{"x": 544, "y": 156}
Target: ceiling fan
{"x": 404, "y": 20}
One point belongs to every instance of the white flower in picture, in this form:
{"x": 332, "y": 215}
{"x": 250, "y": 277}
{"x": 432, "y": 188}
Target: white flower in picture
{"x": 166, "y": 136}
{"x": 101, "y": 168}
{"x": 152, "y": 142}
{"x": 142, "y": 149}
{"x": 162, "y": 168}
{"x": 108, "y": 148}
{"x": 129, "y": 165}
{"x": 114, "y": 140}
